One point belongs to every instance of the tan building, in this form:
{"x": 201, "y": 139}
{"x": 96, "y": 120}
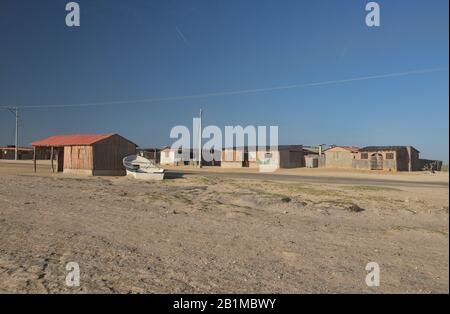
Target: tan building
{"x": 340, "y": 156}
{"x": 153, "y": 154}
{"x": 282, "y": 156}
{"x": 98, "y": 154}
{"x": 176, "y": 156}
{"x": 187, "y": 157}
{"x": 390, "y": 158}
{"x": 239, "y": 157}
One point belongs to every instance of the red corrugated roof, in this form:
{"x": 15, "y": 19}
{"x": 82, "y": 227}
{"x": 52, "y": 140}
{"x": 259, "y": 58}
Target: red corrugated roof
{"x": 70, "y": 140}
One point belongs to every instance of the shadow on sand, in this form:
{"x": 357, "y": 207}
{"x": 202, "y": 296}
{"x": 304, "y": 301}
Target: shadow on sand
{"x": 173, "y": 175}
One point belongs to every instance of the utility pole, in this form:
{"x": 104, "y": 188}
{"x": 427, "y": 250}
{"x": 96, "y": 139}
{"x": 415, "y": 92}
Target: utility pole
{"x": 321, "y": 161}
{"x": 200, "y": 141}
{"x": 320, "y": 149}
{"x": 15, "y": 112}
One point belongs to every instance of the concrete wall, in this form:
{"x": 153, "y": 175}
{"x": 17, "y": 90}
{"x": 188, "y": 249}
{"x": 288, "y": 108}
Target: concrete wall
{"x": 167, "y": 157}
{"x": 172, "y": 157}
{"x": 277, "y": 158}
{"x": 402, "y": 159}
{"x": 366, "y": 164}
{"x": 231, "y": 164}
{"x": 361, "y": 164}
{"x": 238, "y": 158}
{"x": 86, "y": 172}
{"x": 238, "y": 164}
{"x": 390, "y": 165}
{"x": 415, "y": 161}
{"x": 339, "y": 159}
{"x": 272, "y": 157}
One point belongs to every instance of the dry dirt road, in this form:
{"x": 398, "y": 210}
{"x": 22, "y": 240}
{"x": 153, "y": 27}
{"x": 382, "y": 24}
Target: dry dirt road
{"x": 402, "y": 180}
{"x": 211, "y": 234}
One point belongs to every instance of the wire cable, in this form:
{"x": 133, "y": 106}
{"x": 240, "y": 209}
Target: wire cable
{"x": 240, "y": 92}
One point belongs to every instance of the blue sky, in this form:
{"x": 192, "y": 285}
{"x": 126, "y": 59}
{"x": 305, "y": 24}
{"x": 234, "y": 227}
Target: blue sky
{"x": 139, "y": 49}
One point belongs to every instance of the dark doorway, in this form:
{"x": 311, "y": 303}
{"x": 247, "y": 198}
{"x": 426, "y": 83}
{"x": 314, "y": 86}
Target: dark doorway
{"x": 376, "y": 162}
{"x": 60, "y": 159}
{"x": 245, "y": 162}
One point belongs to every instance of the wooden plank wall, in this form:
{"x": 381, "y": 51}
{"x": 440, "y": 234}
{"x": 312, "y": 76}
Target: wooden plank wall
{"x": 78, "y": 157}
{"x": 109, "y": 153}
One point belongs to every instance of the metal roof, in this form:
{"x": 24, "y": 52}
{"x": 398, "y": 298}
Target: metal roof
{"x": 383, "y": 148}
{"x": 71, "y": 140}
{"x": 265, "y": 148}
{"x": 348, "y": 148}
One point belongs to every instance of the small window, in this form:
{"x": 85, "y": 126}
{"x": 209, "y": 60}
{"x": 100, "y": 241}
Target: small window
{"x": 268, "y": 156}
{"x": 389, "y": 155}
{"x": 364, "y": 156}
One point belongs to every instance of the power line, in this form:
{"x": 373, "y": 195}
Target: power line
{"x": 15, "y": 112}
{"x": 243, "y": 91}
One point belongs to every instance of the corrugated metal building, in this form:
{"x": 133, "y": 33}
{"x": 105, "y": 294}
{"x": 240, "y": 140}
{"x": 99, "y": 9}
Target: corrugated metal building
{"x": 98, "y": 154}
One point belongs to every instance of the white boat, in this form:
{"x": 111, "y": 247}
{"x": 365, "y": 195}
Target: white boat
{"x": 142, "y": 168}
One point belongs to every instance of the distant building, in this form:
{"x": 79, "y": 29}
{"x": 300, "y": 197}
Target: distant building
{"x": 314, "y": 157}
{"x": 176, "y": 156}
{"x": 239, "y": 157}
{"x": 340, "y": 156}
{"x": 312, "y": 161}
{"x": 391, "y": 158}
{"x": 430, "y": 165}
{"x": 9, "y": 152}
{"x": 98, "y": 154}
{"x": 184, "y": 157}
{"x": 153, "y": 154}
{"x": 282, "y": 156}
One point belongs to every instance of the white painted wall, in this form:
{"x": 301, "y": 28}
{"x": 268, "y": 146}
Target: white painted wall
{"x": 167, "y": 157}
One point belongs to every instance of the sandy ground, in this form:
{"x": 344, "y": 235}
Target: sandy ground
{"x": 218, "y": 235}
{"x": 421, "y": 176}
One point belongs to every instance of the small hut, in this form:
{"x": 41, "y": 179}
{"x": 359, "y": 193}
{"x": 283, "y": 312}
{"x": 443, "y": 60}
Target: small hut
{"x": 97, "y": 154}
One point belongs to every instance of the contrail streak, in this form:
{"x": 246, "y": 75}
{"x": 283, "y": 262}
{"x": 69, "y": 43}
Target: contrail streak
{"x": 182, "y": 35}
{"x": 244, "y": 91}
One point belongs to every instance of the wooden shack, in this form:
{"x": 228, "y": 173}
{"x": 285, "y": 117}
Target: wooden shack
{"x": 97, "y": 154}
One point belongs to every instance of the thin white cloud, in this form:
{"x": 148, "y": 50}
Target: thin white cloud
{"x": 180, "y": 33}
{"x": 249, "y": 91}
